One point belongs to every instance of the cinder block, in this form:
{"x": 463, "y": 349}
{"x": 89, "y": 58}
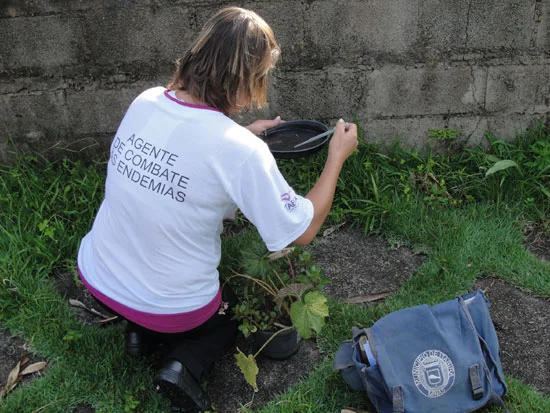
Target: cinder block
{"x": 518, "y": 89}
{"x": 500, "y": 24}
{"x": 100, "y": 111}
{"x": 137, "y": 34}
{"x": 319, "y": 95}
{"x": 411, "y": 132}
{"x": 441, "y": 32}
{"x": 509, "y": 126}
{"x": 39, "y": 42}
{"x": 347, "y": 29}
{"x": 398, "y": 91}
{"x": 31, "y": 117}
{"x": 464, "y": 26}
{"x": 170, "y": 31}
{"x": 287, "y": 21}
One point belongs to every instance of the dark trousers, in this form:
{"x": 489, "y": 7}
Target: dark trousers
{"x": 199, "y": 348}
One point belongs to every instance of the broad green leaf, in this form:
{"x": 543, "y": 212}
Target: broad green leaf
{"x": 500, "y": 166}
{"x": 492, "y": 158}
{"x": 248, "y": 367}
{"x": 309, "y": 314}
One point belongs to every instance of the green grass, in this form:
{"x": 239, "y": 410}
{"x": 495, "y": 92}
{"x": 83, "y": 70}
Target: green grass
{"x": 467, "y": 221}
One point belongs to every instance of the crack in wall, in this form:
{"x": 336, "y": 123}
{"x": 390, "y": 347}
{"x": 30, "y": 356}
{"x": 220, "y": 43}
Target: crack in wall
{"x": 362, "y": 85}
{"x": 537, "y": 19}
{"x": 535, "y": 98}
{"x": 467, "y": 37}
{"x": 306, "y": 6}
{"x": 486, "y": 89}
{"x": 474, "y": 130}
{"x": 474, "y": 86}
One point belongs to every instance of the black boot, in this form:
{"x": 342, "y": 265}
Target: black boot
{"x": 138, "y": 341}
{"x": 174, "y": 381}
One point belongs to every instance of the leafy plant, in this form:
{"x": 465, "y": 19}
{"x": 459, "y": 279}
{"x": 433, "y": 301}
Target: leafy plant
{"x": 274, "y": 288}
{"x": 278, "y": 292}
{"x": 443, "y": 134}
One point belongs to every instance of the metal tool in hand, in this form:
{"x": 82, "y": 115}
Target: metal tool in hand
{"x": 317, "y": 137}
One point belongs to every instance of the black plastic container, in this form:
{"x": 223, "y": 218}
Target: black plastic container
{"x": 283, "y": 138}
{"x": 283, "y": 346}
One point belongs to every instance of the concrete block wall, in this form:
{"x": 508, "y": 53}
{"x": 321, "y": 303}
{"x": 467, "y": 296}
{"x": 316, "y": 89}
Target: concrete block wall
{"x": 69, "y": 68}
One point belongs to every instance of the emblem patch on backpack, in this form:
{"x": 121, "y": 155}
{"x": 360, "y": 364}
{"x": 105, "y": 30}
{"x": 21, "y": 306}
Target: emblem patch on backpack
{"x": 433, "y": 373}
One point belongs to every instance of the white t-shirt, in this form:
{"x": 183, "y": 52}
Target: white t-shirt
{"x": 175, "y": 172}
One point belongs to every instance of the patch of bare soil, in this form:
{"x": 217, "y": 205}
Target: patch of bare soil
{"x": 362, "y": 267}
{"x": 522, "y": 322}
{"x": 359, "y": 268}
{"x": 229, "y": 391}
{"x": 86, "y": 309}
{"x": 538, "y": 241}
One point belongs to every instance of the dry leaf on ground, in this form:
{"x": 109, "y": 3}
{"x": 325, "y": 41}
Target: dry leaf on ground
{"x": 76, "y": 303}
{"x": 330, "y": 230}
{"x": 13, "y": 379}
{"x": 366, "y": 298}
{"x": 33, "y": 368}
{"x": 16, "y": 374}
{"x": 280, "y": 254}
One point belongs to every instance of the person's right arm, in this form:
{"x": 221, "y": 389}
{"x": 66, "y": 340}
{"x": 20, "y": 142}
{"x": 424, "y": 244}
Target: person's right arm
{"x": 342, "y": 145}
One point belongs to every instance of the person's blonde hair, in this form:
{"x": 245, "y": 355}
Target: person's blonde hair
{"x": 229, "y": 61}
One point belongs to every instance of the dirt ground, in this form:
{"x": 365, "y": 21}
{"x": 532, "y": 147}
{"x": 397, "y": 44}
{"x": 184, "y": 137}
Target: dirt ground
{"x": 358, "y": 267}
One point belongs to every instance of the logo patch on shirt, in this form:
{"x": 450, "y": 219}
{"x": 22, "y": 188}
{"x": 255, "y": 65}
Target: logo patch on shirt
{"x": 290, "y": 201}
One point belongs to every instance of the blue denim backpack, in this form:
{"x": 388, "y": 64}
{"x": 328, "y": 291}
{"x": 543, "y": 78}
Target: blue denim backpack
{"x": 442, "y": 358}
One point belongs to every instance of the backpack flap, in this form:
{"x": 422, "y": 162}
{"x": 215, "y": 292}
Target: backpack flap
{"x": 428, "y": 359}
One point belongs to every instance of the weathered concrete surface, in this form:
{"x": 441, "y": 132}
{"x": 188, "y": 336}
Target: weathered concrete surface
{"x": 69, "y": 69}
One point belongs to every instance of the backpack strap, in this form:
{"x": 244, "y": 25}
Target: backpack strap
{"x": 482, "y": 341}
{"x": 494, "y": 396}
{"x": 398, "y": 400}
{"x": 496, "y": 399}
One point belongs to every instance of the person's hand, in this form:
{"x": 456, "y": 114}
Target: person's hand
{"x": 259, "y": 126}
{"x": 344, "y": 140}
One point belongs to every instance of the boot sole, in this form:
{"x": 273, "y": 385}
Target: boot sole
{"x": 182, "y": 390}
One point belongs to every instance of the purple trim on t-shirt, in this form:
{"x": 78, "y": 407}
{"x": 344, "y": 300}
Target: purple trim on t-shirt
{"x": 163, "y": 323}
{"x": 190, "y": 105}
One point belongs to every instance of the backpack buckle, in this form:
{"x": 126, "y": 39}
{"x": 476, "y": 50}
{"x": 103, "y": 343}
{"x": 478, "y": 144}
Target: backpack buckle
{"x": 475, "y": 381}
